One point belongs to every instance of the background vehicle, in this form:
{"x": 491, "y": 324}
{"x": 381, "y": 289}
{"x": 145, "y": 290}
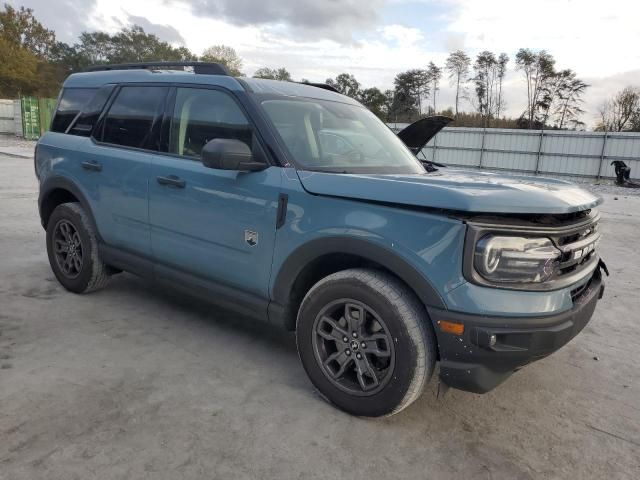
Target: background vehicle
{"x": 295, "y": 205}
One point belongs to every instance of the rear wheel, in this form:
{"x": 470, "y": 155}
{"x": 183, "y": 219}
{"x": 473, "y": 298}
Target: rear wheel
{"x": 72, "y": 248}
{"x": 366, "y": 342}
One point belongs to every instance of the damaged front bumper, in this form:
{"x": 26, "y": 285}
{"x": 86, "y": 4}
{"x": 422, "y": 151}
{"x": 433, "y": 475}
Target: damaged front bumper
{"x": 492, "y": 348}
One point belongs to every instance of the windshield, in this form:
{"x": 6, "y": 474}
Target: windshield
{"x": 336, "y": 137}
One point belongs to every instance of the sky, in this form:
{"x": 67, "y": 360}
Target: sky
{"x": 376, "y": 39}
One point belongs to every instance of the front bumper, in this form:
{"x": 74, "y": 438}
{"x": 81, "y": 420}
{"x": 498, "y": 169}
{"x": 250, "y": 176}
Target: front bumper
{"x": 492, "y": 348}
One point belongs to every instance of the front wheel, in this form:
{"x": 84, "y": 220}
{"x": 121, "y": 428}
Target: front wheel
{"x": 366, "y": 342}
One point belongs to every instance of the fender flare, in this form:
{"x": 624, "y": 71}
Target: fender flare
{"x": 390, "y": 260}
{"x": 63, "y": 183}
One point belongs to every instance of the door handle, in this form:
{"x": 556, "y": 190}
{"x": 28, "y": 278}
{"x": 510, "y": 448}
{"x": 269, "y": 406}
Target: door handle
{"x": 171, "y": 181}
{"x": 94, "y": 166}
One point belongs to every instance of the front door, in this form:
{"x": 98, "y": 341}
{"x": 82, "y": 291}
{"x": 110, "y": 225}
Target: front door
{"x": 217, "y": 225}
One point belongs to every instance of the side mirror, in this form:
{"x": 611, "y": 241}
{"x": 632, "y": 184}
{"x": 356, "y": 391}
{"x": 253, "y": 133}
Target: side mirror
{"x": 230, "y": 154}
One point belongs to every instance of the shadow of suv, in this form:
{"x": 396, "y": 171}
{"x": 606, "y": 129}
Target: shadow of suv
{"x": 295, "y": 205}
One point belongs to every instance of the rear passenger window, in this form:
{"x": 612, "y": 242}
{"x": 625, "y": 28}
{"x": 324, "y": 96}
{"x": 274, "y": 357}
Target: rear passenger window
{"x": 200, "y": 116}
{"x": 132, "y": 116}
{"x": 71, "y": 102}
{"x": 85, "y": 121}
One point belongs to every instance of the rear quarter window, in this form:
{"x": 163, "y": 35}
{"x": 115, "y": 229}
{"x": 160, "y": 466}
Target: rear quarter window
{"x": 84, "y": 122}
{"x": 71, "y": 102}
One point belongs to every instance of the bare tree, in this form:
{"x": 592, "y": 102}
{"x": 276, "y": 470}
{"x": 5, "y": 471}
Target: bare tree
{"x": 569, "y": 101}
{"x": 434, "y": 74}
{"x": 485, "y": 68}
{"x": 503, "y": 59}
{"x": 620, "y": 112}
{"x": 538, "y": 70}
{"x": 457, "y": 67}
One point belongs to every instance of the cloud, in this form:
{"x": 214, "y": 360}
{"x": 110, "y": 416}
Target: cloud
{"x": 333, "y": 19}
{"x": 402, "y": 36}
{"x": 164, "y": 32}
{"x": 66, "y": 17}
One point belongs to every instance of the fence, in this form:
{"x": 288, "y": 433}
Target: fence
{"x": 550, "y": 152}
{"x": 7, "y": 123}
{"x": 28, "y": 117}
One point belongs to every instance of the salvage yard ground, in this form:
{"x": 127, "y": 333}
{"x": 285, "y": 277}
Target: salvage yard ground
{"x": 136, "y": 382}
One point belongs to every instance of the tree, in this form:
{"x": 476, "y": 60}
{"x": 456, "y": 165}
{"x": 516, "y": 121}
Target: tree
{"x": 434, "y": 74}
{"x": 538, "y": 70}
{"x": 457, "y": 67}
{"x": 410, "y": 88}
{"x": 346, "y": 84}
{"x": 128, "y": 45}
{"x": 273, "y": 74}
{"x": 25, "y": 47}
{"x": 389, "y": 98}
{"x": 374, "y": 100}
{"x": 225, "y": 55}
{"x": 503, "y": 60}
{"x": 485, "y": 68}
{"x": 569, "y": 100}
{"x": 18, "y": 70}
{"x": 21, "y": 28}
{"x": 622, "y": 112}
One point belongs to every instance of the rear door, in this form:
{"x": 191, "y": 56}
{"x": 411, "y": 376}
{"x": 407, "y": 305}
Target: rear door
{"x": 217, "y": 225}
{"x": 118, "y": 159}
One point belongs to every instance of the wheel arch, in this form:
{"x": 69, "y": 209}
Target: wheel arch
{"x": 323, "y": 256}
{"x": 58, "y": 190}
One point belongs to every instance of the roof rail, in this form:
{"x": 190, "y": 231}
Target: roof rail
{"x": 321, "y": 85}
{"x": 198, "y": 67}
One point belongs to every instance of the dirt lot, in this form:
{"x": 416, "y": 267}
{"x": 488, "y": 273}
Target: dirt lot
{"x": 133, "y": 382}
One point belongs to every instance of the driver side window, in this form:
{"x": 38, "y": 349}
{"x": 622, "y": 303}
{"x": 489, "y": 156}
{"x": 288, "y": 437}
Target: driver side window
{"x": 201, "y": 115}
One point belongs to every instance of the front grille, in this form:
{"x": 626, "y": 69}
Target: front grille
{"x": 578, "y": 248}
{"x": 576, "y": 292}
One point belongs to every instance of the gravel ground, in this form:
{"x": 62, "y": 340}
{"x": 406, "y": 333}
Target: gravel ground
{"x": 131, "y": 382}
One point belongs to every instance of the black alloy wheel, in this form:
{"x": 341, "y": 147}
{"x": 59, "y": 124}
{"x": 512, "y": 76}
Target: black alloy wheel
{"x": 353, "y": 346}
{"x": 68, "y": 250}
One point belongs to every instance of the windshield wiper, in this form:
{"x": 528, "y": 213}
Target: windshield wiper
{"x": 430, "y": 165}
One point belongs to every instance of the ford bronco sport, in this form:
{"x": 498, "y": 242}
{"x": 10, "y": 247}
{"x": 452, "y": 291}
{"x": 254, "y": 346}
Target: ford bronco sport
{"x": 295, "y": 205}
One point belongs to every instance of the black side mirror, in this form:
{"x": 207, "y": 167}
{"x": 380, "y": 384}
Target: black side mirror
{"x": 230, "y": 154}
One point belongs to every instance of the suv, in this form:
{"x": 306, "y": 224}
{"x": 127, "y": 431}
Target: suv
{"x": 295, "y": 205}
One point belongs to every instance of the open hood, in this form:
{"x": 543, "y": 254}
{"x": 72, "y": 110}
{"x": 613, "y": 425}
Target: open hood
{"x": 418, "y": 134}
{"x": 459, "y": 190}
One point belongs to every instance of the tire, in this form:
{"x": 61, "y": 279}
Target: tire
{"x": 89, "y": 273}
{"x": 395, "y": 343}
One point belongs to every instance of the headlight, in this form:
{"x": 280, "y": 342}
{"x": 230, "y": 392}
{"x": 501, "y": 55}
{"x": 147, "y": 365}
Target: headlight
{"x": 516, "y": 259}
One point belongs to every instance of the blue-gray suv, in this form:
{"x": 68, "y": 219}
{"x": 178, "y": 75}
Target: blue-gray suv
{"x": 295, "y": 205}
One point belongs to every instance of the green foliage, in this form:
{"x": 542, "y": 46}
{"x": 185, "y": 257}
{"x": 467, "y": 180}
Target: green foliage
{"x": 374, "y": 100}
{"x": 25, "y": 46}
{"x": 273, "y": 74}
{"x": 33, "y": 62}
{"x": 18, "y": 69}
{"x": 225, "y": 55}
{"x": 346, "y": 84}
{"x": 20, "y": 27}
{"x": 410, "y": 88}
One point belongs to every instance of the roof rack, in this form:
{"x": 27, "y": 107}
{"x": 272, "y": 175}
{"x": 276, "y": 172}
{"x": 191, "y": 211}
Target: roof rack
{"x": 198, "y": 67}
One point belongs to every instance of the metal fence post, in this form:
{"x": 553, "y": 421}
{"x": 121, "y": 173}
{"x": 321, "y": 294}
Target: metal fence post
{"x": 484, "y": 133}
{"x": 435, "y": 148}
{"x": 604, "y": 144}
{"x": 539, "y": 152}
